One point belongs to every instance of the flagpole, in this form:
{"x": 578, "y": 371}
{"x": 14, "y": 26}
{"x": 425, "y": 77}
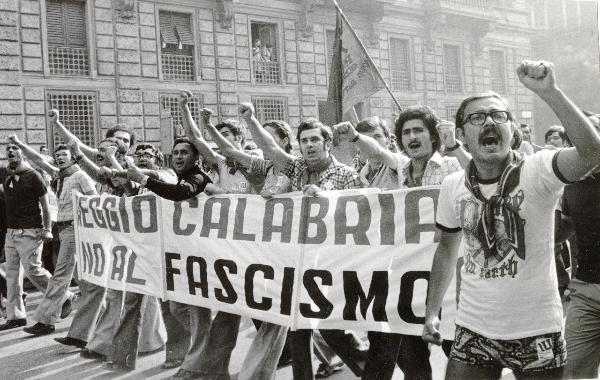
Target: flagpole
{"x": 335, "y": 3}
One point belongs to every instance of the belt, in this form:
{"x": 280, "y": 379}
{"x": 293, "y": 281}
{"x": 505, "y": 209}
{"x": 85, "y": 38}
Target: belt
{"x": 64, "y": 223}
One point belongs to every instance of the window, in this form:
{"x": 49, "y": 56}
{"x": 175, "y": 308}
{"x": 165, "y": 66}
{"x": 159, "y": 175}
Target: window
{"x": 265, "y": 53}
{"x": 268, "y": 108}
{"x": 451, "y": 113}
{"x": 498, "y": 70}
{"x": 77, "y": 112}
{"x": 67, "y": 40}
{"x": 399, "y": 64}
{"x": 539, "y": 13}
{"x": 572, "y": 9}
{"x": 177, "y": 45}
{"x": 170, "y": 103}
{"x": 452, "y": 69}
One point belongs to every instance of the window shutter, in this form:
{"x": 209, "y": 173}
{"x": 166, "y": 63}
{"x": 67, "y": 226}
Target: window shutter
{"x": 167, "y": 29}
{"x": 55, "y": 23}
{"x": 183, "y": 28}
{"x": 75, "y": 17}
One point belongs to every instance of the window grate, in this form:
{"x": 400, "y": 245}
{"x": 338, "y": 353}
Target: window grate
{"x": 269, "y": 108}
{"x": 68, "y": 60}
{"x": 171, "y": 103}
{"x": 176, "y": 66}
{"x": 67, "y": 41}
{"x": 452, "y": 70}
{"x": 400, "y": 64}
{"x": 498, "y": 70}
{"x": 177, "y": 45}
{"x": 265, "y": 53}
{"x": 77, "y": 113}
{"x": 451, "y": 113}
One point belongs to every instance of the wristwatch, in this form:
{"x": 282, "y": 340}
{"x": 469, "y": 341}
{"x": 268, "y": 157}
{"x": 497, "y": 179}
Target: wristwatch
{"x": 355, "y": 139}
{"x": 455, "y": 147}
{"x": 76, "y": 159}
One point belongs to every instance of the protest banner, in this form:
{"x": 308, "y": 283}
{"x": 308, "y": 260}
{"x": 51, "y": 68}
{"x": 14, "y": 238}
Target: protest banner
{"x": 355, "y": 259}
{"x": 118, "y": 242}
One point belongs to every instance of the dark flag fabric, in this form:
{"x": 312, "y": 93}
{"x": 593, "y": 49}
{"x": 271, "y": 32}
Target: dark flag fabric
{"x": 353, "y": 76}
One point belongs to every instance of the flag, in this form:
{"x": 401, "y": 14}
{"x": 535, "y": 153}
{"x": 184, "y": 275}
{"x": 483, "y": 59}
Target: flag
{"x": 353, "y": 76}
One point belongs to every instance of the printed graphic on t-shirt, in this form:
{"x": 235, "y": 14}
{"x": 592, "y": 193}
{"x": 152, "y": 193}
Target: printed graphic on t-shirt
{"x": 495, "y": 237}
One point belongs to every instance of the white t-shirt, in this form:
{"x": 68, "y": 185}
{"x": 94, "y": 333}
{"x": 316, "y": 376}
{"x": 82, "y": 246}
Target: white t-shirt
{"x": 515, "y": 295}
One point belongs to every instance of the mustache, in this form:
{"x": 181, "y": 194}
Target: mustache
{"x": 489, "y": 131}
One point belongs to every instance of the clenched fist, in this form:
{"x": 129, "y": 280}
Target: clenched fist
{"x": 538, "y": 76}
{"x": 446, "y": 130}
{"x": 246, "y": 110}
{"x": 185, "y": 97}
{"x": 53, "y": 115}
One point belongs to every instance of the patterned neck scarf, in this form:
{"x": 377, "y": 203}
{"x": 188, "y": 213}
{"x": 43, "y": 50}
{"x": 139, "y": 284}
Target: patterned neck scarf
{"x": 498, "y": 211}
{"x": 57, "y": 182}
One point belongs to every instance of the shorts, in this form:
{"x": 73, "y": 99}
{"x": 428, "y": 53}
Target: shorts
{"x": 536, "y": 353}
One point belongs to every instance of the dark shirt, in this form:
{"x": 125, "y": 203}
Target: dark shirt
{"x": 22, "y": 196}
{"x": 3, "y": 175}
{"x": 189, "y": 184}
{"x": 581, "y": 201}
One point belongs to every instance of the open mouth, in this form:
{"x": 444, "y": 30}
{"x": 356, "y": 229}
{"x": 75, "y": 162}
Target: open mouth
{"x": 414, "y": 145}
{"x": 11, "y": 155}
{"x": 490, "y": 138}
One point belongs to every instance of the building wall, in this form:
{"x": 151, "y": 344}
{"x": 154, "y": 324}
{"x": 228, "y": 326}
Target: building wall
{"x": 126, "y": 83}
{"x": 567, "y": 35}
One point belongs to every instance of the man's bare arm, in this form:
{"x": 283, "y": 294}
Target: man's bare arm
{"x": 34, "y": 156}
{"x": 68, "y": 136}
{"x": 575, "y": 162}
{"x": 442, "y": 270}
{"x": 262, "y": 138}
{"x": 367, "y": 145}
{"x": 193, "y": 132}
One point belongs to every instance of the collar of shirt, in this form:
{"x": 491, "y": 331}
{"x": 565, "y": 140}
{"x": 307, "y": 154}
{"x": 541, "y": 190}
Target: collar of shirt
{"x": 331, "y": 170}
{"x": 435, "y": 160}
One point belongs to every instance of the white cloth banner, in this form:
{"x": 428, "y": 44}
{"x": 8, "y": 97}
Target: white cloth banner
{"x": 356, "y": 259}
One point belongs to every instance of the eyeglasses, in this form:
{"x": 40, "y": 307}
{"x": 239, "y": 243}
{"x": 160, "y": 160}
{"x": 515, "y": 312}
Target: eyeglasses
{"x": 147, "y": 156}
{"x": 478, "y": 118}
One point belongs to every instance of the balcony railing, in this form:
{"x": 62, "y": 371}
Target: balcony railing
{"x": 267, "y": 71}
{"x": 470, "y": 3}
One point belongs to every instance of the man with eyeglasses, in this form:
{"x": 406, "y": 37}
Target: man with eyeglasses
{"x": 138, "y": 309}
{"x": 509, "y": 311}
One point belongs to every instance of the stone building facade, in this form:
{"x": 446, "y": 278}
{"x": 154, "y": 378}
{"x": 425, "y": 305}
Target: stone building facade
{"x": 102, "y": 62}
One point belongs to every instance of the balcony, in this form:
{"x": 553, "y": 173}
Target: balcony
{"x": 462, "y": 9}
{"x": 477, "y": 16}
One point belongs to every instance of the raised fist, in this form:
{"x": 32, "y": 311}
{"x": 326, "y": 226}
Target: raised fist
{"x": 538, "y": 76}
{"x": 446, "y": 130}
{"x": 185, "y": 97}
{"x": 13, "y": 139}
{"x": 53, "y": 115}
{"x": 344, "y": 130}
{"x": 246, "y": 110}
{"x": 205, "y": 114}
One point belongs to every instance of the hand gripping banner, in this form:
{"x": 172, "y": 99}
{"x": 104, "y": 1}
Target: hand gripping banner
{"x": 355, "y": 259}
